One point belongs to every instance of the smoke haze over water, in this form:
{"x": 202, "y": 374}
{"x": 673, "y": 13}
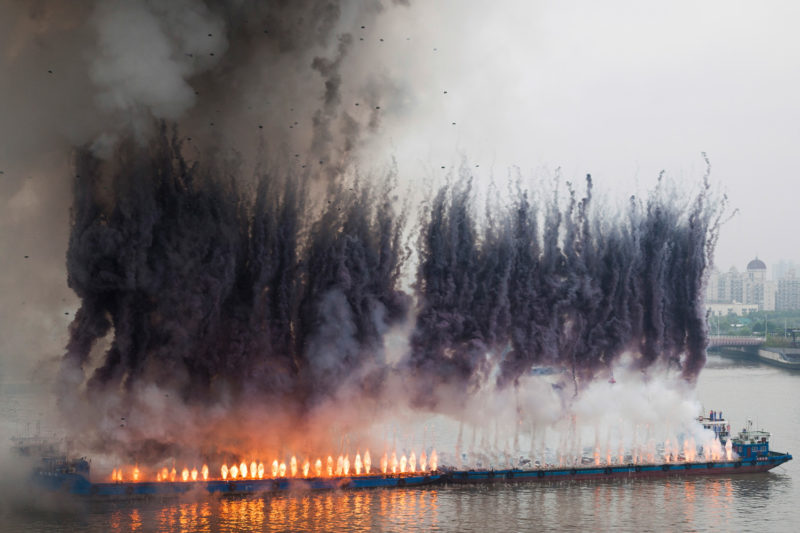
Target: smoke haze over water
{"x": 238, "y": 252}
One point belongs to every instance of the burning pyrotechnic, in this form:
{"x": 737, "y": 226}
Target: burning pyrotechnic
{"x": 711, "y": 450}
{"x": 280, "y": 470}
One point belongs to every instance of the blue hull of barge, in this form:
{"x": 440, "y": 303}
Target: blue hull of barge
{"x": 761, "y": 464}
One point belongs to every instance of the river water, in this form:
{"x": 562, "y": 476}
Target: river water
{"x": 760, "y": 502}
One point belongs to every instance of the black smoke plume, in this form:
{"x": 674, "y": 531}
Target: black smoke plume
{"x": 208, "y": 287}
{"x": 570, "y": 286}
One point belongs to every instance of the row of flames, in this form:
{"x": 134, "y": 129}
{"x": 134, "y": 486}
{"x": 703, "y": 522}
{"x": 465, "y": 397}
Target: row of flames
{"x": 713, "y": 450}
{"x": 341, "y": 466}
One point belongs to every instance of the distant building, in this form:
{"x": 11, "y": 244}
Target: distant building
{"x": 757, "y": 289}
{"x": 731, "y": 308}
{"x": 788, "y": 296}
{"x": 781, "y": 269}
{"x": 743, "y": 292}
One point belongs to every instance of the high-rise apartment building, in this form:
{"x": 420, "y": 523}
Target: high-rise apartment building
{"x": 751, "y": 287}
{"x": 788, "y": 297}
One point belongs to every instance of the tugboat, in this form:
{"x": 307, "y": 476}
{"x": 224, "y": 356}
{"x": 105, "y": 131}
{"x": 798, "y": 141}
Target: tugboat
{"x": 752, "y": 444}
{"x": 52, "y": 469}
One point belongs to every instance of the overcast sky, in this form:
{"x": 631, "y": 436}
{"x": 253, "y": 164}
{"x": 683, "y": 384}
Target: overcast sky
{"x": 621, "y": 90}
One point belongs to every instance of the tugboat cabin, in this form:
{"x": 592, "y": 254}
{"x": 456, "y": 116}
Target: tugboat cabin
{"x": 751, "y": 444}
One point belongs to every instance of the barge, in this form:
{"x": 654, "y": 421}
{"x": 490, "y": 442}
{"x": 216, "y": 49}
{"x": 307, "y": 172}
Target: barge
{"x": 751, "y": 449}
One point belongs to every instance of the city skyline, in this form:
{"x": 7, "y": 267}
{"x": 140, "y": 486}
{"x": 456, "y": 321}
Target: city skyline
{"x": 776, "y": 268}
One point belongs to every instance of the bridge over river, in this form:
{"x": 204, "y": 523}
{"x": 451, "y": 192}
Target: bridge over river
{"x": 718, "y": 341}
{"x": 753, "y": 348}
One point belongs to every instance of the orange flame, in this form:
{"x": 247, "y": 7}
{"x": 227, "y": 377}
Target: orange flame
{"x": 689, "y": 450}
{"x": 357, "y": 464}
{"x": 393, "y": 462}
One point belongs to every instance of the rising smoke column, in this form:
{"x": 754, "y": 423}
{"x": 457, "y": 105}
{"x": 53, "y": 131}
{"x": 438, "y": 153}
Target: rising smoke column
{"x": 351, "y": 288}
{"x": 205, "y": 287}
{"x": 462, "y": 283}
{"x": 588, "y": 287}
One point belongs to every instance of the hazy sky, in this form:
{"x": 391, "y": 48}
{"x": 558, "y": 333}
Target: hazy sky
{"x": 618, "y": 89}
